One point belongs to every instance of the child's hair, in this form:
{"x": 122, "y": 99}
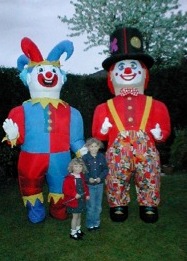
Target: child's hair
{"x": 90, "y": 141}
{"x": 77, "y": 161}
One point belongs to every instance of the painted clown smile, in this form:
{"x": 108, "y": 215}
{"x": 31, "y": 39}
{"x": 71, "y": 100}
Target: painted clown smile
{"x": 49, "y": 83}
{"x": 128, "y": 77}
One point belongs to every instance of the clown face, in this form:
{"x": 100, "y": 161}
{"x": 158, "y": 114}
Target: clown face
{"x": 128, "y": 74}
{"x": 45, "y": 81}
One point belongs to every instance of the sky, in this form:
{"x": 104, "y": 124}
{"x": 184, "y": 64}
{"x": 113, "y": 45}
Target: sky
{"x": 37, "y": 19}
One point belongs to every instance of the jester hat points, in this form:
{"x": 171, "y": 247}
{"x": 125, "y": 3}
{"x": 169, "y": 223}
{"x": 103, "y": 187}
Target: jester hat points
{"x": 32, "y": 55}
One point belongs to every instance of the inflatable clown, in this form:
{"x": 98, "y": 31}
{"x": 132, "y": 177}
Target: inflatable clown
{"x": 132, "y": 123}
{"x": 46, "y": 127}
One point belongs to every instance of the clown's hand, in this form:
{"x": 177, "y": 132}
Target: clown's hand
{"x": 157, "y": 132}
{"x": 105, "y": 126}
{"x": 83, "y": 151}
{"x": 11, "y": 129}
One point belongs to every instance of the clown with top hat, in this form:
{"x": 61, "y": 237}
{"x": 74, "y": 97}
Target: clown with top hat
{"x": 46, "y": 128}
{"x": 132, "y": 123}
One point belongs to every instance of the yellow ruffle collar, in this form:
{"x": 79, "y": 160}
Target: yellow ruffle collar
{"x": 46, "y": 101}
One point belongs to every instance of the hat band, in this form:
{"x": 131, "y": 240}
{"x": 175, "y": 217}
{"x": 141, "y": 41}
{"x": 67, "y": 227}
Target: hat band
{"x": 45, "y": 62}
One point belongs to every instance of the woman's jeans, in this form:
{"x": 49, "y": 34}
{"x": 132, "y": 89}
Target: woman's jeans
{"x": 94, "y": 205}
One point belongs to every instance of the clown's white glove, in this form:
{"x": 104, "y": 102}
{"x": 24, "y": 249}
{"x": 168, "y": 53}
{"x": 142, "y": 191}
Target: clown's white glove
{"x": 11, "y": 129}
{"x": 105, "y": 126}
{"x": 157, "y": 133}
{"x": 83, "y": 151}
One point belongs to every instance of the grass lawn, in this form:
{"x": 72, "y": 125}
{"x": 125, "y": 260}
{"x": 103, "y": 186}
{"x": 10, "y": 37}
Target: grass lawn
{"x": 132, "y": 240}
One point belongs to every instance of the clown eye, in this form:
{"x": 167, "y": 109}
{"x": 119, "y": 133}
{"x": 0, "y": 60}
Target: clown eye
{"x": 133, "y": 65}
{"x": 121, "y": 66}
{"x": 54, "y": 70}
{"x": 40, "y": 69}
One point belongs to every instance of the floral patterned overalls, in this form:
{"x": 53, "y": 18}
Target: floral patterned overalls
{"x": 133, "y": 154}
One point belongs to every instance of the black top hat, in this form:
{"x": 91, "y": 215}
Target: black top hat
{"x": 127, "y": 43}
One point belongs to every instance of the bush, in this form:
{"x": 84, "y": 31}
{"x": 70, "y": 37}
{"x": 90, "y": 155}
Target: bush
{"x": 85, "y": 93}
{"x": 178, "y": 150}
{"x": 8, "y": 163}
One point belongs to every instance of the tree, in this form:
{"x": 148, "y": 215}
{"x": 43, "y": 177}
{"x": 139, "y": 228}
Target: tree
{"x": 161, "y": 22}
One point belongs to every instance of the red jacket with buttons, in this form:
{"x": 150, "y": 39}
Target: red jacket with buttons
{"x": 130, "y": 109}
{"x": 69, "y": 190}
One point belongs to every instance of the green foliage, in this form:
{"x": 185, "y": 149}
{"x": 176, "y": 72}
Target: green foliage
{"x": 85, "y": 93}
{"x": 12, "y": 91}
{"x": 132, "y": 240}
{"x": 178, "y": 152}
{"x": 169, "y": 86}
{"x": 8, "y": 163}
{"x": 82, "y": 92}
{"x": 161, "y": 22}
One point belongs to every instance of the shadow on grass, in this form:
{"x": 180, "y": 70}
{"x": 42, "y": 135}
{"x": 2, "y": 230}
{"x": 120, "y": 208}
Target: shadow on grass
{"x": 131, "y": 240}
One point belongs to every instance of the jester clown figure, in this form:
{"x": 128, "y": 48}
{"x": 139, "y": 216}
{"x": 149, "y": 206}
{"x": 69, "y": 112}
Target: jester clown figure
{"x": 132, "y": 123}
{"x": 46, "y": 127}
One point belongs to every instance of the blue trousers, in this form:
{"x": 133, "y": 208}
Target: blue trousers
{"x": 94, "y": 205}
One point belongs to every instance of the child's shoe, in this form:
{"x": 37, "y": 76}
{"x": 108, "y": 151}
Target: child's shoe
{"x": 80, "y": 233}
{"x": 75, "y": 237}
{"x": 96, "y": 227}
{"x": 91, "y": 228}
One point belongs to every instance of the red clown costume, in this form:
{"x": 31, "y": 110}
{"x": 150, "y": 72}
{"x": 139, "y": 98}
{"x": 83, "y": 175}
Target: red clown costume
{"x": 46, "y": 127}
{"x": 131, "y": 123}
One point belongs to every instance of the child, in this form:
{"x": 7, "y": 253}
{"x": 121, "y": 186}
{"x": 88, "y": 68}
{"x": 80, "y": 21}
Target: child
{"x": 75, "y": 194}
{"x": 95, "y": 177}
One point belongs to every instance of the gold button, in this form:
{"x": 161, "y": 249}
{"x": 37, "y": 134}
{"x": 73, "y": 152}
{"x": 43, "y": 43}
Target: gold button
{"x": 130, "y": 119}
{"x": 129, "y": 98}
{"x": 49, "y": 112}
{"x": 129, "y": 107}
{"x": 49, "y": 120}
{"x": 49, "y": 128}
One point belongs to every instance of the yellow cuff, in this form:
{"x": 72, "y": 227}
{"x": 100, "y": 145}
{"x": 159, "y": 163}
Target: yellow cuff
{"x": 55, "y": 196}
{"x": 32, "y": 199}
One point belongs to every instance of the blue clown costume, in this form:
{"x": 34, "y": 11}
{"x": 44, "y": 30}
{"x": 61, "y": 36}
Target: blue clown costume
{"x": 47, "y": 129}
